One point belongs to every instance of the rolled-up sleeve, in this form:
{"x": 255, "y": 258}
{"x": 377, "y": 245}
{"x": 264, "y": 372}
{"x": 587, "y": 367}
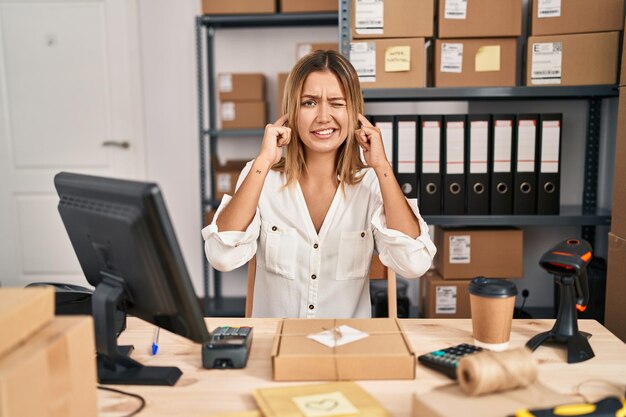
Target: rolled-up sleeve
{"x": 409, "y": 257}
{"x": 228, "y": 250}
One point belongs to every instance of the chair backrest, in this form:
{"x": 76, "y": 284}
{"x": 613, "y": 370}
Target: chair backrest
{"x": 377, "y": 271}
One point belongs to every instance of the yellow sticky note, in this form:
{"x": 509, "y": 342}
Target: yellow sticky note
{"x": 398, "y": 59}
{"x": 488, "y": 58}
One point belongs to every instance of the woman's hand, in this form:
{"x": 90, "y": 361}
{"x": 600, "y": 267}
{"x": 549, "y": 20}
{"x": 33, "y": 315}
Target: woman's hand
{"x": 371, "y": 141}
{"x": 275, "y": 137}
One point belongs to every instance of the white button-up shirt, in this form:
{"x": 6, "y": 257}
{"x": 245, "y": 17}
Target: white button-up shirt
{"x": 302, "y": 273}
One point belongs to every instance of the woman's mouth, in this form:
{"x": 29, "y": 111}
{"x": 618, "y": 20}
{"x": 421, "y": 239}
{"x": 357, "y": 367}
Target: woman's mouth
{"x": 324, "y": 133}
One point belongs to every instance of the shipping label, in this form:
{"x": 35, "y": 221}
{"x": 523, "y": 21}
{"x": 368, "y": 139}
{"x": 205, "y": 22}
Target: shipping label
{"x": 363, "y": 58}
{"x": 455, "y": 9}
{"x": 548, "y": 8}
{"x": 226, "y": 83}
{"x": 228, "y": 111}
{"x": 459, "y": 249}
{"x": 369, "y": 17}
{"x": 451, "y": 57}
{"x": 546, "y": 63}
{"x": 445, "y": 300}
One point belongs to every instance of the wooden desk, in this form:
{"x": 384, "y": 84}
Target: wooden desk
{"x": 204, "y": 392}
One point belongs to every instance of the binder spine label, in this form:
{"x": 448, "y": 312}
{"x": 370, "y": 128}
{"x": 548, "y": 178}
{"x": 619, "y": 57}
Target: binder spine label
{"x": 363, "y": 58}
{"x": 369, "y": 17}
{"x": 478, "y": 147}
{"x": 454, "y": 147}
{"x": 386, "y": 131}
{"x": 550, "y": 146}
{"x": 503, "y": 131}
{"x": 406, "y": 147}
{"x": 431, "y": 147}
{"x": 526, "y": 146}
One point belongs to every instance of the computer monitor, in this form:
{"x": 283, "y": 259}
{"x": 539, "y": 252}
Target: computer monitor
{"x": 127, "y": 249}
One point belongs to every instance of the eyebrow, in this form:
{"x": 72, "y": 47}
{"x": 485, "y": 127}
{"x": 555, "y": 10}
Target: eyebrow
{"x": 318, "y": 97}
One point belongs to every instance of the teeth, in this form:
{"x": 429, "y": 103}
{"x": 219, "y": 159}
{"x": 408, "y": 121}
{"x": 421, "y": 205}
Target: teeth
{"x": 325, "y": 132}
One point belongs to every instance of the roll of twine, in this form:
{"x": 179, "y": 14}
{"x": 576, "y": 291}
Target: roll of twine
{"x": 487, "y": 372}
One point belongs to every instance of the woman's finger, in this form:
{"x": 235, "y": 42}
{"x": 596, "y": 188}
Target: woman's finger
{"x": 281, "y": 120}
{"x": 364, "y": 121}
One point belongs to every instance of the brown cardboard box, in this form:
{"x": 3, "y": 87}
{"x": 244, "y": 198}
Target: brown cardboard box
{"x": 23, "y": 311}
{"x": 465, "y": 253}
{"x": 618, "y": 220}
{"x": 481, "y": 19}
{"x": 238, "y": 6}
{"x": 616, "y": 287}
{"x": 395, "y": 65}
{"x": 226, "y": 177}
{"x": 243, "y": 114}
{"x": 488, "y": 62}
{"x": 450, "y": 400}
{"x": 578, "y": 16}
{"x": 444, "y": 299}
{"x": 385, "y": 354}
{"x": 303, "y": 49}
{"x": 281, "y": 81}
{"x": 52, "y": 374}
{"x": 244, "y": 87}
{"x": 400, "y": 19}
{"x": 304, "y": 6}
{"x": 585, "y": 59}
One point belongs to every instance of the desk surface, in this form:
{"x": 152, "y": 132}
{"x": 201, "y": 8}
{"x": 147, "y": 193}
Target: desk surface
{"x": 204, "y": 392}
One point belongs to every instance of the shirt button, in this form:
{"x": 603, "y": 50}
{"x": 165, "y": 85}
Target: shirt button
{"x": 316, "y": 246}
{"x": 311, "y": 306}
{"x": 362, "y": 234}
{"x": 313, "y": 276}
{"x": 274, "y": 228}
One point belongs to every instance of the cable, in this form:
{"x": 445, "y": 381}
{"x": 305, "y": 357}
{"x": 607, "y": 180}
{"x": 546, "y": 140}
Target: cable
{"x": 139, "y": 397}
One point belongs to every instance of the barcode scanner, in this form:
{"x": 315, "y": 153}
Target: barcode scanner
{"x": 568, "y": 261}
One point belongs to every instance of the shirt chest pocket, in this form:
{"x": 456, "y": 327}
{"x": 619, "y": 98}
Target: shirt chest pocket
{"x": 355, "y": 254}
{"x": 281, "y": 249}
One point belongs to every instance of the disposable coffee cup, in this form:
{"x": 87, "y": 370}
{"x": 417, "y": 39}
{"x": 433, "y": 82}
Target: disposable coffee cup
{"x": 492, "y": 302}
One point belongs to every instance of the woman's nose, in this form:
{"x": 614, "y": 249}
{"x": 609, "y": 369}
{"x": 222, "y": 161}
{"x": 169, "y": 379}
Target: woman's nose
{"x": 323, "y": 112}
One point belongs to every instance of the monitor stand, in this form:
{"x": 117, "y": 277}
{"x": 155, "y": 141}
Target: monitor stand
{"x": 114, "y": 364}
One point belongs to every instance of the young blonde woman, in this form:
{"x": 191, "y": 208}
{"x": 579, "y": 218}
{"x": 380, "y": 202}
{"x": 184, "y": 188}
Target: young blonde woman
{"x": 314, "y": 217}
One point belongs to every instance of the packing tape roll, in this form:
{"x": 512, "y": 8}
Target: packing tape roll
{"x": 487, "y": 372}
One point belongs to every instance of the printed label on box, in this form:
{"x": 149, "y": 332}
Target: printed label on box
{"x": 455, "y": 9}
{"x": 546, "y": 63}
{"x": 459, "y": 249}
{"x": 223, "y": 182}
{"x": 369, "y": 17}
{"x": 451, "y": 57}
{"x": 363, "y": 58}
{"x": 548, "y": 8}
{"x": 228, "y": 111}
{"x": 226, "y": 83}
{"x": 445, "y": 300}
{"x": 304, "y": 49}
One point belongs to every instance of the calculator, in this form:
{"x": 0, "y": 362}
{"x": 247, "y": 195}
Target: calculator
{"x": 229, "y": 347}
{"x": 447, "y": 360}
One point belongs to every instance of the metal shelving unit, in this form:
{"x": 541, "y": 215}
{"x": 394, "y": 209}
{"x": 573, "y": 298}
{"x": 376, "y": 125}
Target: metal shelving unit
{"x": 207, "y": 123}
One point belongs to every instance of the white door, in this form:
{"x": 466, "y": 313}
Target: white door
{"x": 70, "y": 100}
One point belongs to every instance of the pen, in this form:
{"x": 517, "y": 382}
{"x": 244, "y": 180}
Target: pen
{"x": 155, "y": 341}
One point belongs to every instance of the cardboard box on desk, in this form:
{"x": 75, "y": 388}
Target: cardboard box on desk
{"x": 444, "y": 299}
{"x": 384, "y": 354}
{"x": 243, "y": 114}
{"x": 302, "y": 6}
{"x": 616, "y": 287}
{"x": 241, "y": 86}
{"x": 390, "y": 63}
{"x": 450, "y": 400}
{"x": 481, "y": 62}
{"x": 576, "y": 16}
{"x": 23, "y": 311}
{"x": 392, "y": 19}
{"x": 238, "y": 6}
{"x": 465, "y": 253}
{"x": 584, "y": 59}
{"x": 226, "y": 177}
{"x": 478, "y": 19}
{"x": 52, "y": 374}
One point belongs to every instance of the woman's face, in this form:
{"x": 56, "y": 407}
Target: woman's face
{"x": 323, "y": 113}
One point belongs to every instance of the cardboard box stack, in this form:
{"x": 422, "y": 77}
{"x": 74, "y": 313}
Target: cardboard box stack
{"x": 388, "y": 47}
{"x": 242, "y": 100}
{"x": 238, "y": 6}
{"x": 574, "y": 42}
{"x": 463, "y": 254}
{"x": 47, "y": 363}
{"x": 475, "y": 49}
{"x": 616, "y": 272}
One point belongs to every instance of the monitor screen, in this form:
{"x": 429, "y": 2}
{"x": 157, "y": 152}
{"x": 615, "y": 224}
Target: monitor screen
{"x": 127, "y": 248}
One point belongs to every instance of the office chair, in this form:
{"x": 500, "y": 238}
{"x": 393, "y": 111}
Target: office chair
{"x": 377, "y": 271}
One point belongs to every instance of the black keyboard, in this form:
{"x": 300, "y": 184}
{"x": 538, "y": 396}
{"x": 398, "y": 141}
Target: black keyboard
{"x": 447, "y": 360}
{"x": 229, "y": 347}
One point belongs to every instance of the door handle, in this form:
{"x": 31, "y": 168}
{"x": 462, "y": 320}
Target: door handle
{"x": 120, "y": 144}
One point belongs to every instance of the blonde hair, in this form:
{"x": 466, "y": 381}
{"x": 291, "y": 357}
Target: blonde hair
{"x": 348, "y": 163}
